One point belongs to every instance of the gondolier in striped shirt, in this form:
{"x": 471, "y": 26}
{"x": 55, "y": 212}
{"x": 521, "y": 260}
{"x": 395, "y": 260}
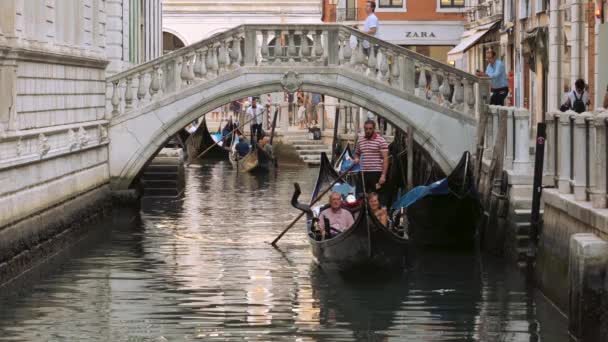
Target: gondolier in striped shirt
{"x": 372, "y": 153}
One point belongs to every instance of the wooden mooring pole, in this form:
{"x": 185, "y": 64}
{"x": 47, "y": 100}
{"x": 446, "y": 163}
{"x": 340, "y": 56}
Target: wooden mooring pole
{"x": 535, "y": 220}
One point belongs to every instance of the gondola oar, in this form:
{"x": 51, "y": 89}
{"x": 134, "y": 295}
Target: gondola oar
{"x": 227, "y": 135}
{"x": 274, "y": 242}
{"x": 274, "y": 125}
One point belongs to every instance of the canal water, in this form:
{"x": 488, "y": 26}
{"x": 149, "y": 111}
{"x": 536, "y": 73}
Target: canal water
{"x": 201, "y": 268}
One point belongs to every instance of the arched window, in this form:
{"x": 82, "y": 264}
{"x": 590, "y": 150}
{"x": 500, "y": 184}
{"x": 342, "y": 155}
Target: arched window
{"x": 171, "y": 42}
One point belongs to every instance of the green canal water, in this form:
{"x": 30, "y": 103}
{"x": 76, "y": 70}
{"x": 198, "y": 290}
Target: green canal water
{"x": 200, "y": 268}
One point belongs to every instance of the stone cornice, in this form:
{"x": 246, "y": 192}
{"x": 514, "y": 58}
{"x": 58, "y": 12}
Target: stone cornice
{"x": 71, "y": 56}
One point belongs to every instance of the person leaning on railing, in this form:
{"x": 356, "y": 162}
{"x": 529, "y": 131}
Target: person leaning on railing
{"x": 498, "y": 74}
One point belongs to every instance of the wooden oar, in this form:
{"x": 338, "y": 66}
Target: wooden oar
{"x": 227, "y": 135}
{"x": 274, "y": 242}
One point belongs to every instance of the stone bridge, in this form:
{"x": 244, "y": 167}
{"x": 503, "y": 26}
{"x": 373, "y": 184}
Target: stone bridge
{"x": 149, "y": 103}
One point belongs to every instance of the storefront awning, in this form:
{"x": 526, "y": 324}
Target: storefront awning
{"x": 469, "y": 39}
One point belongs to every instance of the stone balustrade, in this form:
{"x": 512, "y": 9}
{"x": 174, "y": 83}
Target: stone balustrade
{"x": 576, "y": 155}
{"x": 517, "y": 142}
{"x": 488, "y": 9}
{"x": 292, "y": 47}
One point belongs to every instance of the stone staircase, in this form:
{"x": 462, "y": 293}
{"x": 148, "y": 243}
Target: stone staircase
{"x": 308, "y": 150}
{"x": 164, "y": 176}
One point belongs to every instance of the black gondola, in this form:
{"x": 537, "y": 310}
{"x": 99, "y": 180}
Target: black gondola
{"x": 367, "y": 243}
{"x": 446, "y": 218}
{"x": 201, "y": 140}
{"x": 257, "y": 160}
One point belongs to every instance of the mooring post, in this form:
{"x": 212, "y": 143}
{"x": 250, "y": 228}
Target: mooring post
{"x": 410, "y": 158}
{"x": 537, "y": 188}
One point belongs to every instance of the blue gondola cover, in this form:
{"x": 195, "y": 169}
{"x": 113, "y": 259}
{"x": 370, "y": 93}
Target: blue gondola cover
{"x": 440, "y": 187}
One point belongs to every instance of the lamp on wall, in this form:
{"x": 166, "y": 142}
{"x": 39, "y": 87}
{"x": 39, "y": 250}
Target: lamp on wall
{"x": 599, "y": 10}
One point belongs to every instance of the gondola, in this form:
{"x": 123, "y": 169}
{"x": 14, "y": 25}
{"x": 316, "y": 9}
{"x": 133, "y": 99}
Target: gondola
{"x": 444, "y": 213}
{"x": 200, "y": 140}
{"x": 367, "y": 244}
{"x": 255, "y": 161}
{"x": 345, "y": 160}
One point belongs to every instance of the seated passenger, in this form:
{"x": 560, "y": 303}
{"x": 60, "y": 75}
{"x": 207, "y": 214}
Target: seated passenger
{"x": 339, "y": 219}
{"x": 375, "y": 208}
{"x": 242, "y": 147}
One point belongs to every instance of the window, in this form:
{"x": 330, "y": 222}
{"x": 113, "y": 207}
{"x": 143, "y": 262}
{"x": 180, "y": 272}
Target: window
{"x": 451, "y": 3}
{"x": 390, "y": 3}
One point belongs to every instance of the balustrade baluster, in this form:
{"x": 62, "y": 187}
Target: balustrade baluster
{"x": 458, "y": 98}
{"x": 264, "y": 49}
{"x": 222, "y": 60}
{"x": 292, "y": 52}
{"x": 347, "y": 50}
{"x": 278, "y": 48}
{"x": 383, "y": 66}
{"x": 422, "y": 82}
{"x": 395, "y": 72}
{"x": 445, "y": 89}
{"x": 434, "y": 86}
{"x": 318, "y": 47}
{"x": 305, "y": 50}
{"x": 371, "y": 62}
{"x": 154, "y": 81}
{"x": 198, "y": 64}
{"x": 115, "y": 98}
{"x": 141, "y": 88}
{"x": 469, "y": 96}
{"x": 235, "y": 52}
{"x": 214, "y": 67}
{"x": 182, "y": 64}
{"x": 129, "y": 93}
{"x": 190, "y": 58}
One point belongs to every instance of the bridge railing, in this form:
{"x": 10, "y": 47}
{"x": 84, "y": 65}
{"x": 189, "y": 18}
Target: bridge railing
{"x": 576, "y": 155}
{"x": 294, "y": 46}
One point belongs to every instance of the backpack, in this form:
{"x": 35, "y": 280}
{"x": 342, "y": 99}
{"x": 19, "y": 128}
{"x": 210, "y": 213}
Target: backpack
{"x": 578, "y": 105}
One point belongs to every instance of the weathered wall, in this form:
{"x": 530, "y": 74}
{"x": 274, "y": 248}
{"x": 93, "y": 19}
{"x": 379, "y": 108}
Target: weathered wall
{"x": 563, "y": 217}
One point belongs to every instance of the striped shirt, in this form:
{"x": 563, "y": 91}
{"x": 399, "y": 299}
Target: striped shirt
{"x": 370, "y": 152}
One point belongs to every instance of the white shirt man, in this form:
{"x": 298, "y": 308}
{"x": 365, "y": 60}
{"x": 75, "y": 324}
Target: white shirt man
{"x": 370, "y": 26}
{"x": 254, "y": 112}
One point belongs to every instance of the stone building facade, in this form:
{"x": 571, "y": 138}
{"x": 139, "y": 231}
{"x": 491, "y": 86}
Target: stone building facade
{"x": 430, "y": 27}
{"x": 55, "y": 56}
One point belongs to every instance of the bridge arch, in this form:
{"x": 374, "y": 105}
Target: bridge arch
{"x": 137, "y": 136}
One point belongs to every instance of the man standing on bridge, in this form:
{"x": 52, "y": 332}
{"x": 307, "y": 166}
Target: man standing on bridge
{"x": 372, "y": 152}
{"x": 497, "y": 72}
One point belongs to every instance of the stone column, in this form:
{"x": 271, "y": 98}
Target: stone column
{"x": 564, "y": 153}
{"x": 489, "y": 140}
{"x": 521, "y": 164}
{"x": 550, "y": 146}
{"x": 284, "y": 116}
{"x": 588, "y": 258}
{"x": 330, "y": 104}
{"x": 598, "y": 162}
{"x": 577, "y": 57}
{"x": 580, "y": 163}
{"x": 554, "y": 86}
{"x": 509, "y": 150}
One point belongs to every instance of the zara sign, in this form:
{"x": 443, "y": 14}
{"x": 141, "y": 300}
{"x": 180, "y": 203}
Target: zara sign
{"x": 421, "y": 33}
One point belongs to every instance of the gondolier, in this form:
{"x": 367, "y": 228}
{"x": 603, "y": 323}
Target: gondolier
{"x": 254, "y": 112}
{"x": 372, "y": 152}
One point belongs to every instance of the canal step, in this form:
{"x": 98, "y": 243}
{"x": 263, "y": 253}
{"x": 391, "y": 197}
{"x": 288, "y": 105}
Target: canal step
{"x": 308, "y": 150}
{"x": 164, "y": 175}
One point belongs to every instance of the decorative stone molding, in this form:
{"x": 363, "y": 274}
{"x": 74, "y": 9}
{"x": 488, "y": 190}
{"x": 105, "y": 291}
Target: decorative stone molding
{"x": 2, "y": 131}
{"x": 72, "y": 139}
{"x": 83, "y": 137}
{"x": 291, "y": 82}
{"x": 19, "y": 146}
{"x": 43, "y": 145}
{"x": 102, "y": 133}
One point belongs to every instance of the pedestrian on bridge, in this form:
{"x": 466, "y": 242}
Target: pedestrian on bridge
{"x": 498, "y": 74}
{"x": 370, "y": 26}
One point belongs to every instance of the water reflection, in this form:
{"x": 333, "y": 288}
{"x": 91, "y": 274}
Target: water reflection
{"x": 200, "y": 268}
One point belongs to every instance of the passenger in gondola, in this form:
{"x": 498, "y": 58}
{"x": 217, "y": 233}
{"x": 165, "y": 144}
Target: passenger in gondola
{"x": 338, "y": 218}
{"x": 377, "y": 209}
{"x": 242, "y": 147}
